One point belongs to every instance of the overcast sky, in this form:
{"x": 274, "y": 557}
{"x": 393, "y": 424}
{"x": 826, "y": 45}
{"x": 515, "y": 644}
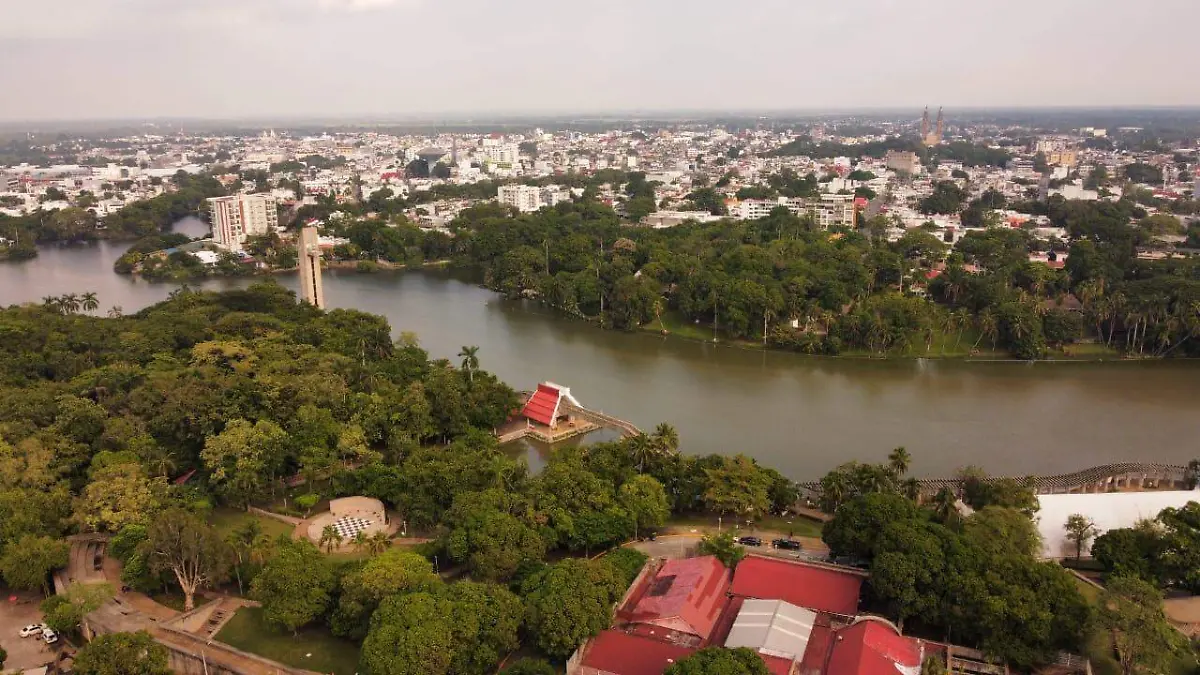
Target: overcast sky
{"x": 90, "y": 59}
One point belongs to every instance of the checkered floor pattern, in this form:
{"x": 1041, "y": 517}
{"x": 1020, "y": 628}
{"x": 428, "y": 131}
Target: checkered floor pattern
{"x": 348, "y": 526}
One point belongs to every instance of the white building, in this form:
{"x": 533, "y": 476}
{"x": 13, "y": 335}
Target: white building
{"x": 505, "y": 153}
{"x": 1109, "y": 510}
{"x": 826, "y": 210}
{"x": 525, "y": 198}
{"x": 239, "y": 216}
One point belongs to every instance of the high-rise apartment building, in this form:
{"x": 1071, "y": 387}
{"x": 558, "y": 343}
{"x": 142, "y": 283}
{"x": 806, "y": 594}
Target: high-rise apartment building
{"x": 526, "y": 198}
{"x": 239, "y": 216}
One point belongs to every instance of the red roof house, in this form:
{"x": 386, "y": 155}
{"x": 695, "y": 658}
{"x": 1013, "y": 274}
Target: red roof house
{"x": 823, "y": 589}
{"x": 615, "y": 653}
{"x": 542, "y": 407}
{"x": 681, "y": 603}
{"x": 872, "y": 647}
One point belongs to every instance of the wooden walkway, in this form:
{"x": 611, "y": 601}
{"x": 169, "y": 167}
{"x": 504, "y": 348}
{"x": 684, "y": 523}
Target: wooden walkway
{"x": 1104, "y": 478}
{"x": 627, "y": 429}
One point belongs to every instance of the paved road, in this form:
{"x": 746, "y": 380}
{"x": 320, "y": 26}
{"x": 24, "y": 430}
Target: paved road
{"x": 680, "y": 544}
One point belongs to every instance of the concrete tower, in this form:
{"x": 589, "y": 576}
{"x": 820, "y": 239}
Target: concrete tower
{"x": 925, "y": 124}
{"x": 309, "y": 250}
{"x": 941, "y": 126}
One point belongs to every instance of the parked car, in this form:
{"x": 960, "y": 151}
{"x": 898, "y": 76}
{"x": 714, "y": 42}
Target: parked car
{"x": 749, "y": 541}
{"x": 787, "y": 544}
{"x": 32, "y": 629}
{"x": 49, "y": 636}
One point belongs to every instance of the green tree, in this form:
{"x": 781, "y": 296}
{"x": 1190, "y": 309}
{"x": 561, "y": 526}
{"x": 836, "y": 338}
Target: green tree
{"x": 1000, "y": 531}
{"x": 1132, "y": 552}
{"x": 122, "y": 654}
{"x": 856, "y": 528}
{"x": 1131, "y": 610}
{"x": 529, "y": 666}
{"x": 645, "y": 500}
{"x": 899, "y": 462}
{"x": 720, "y": 661}
{"x": 64, "y": 613}
{"x": 493, "y": 545}
{"x": 1080, "y": 531}
{"x": 737, "y": 486}
{"x": 330, "y": 538}
{"x": 243, "y": 542}
{"x": 118, "y": 495}
{"x": 294, "y": 586}
{"x": 244, "y": 457}
{"x": 28, "y": 562}
{"x": 395, "y": 572}
{"x": 723, "y": 547}
{"x": 470, "y": 361}
{"x": 190, "y": 549}
{"x": 464, "y": 628}
{"x": 569, "y": 602}
{"x": 628, "y": 563}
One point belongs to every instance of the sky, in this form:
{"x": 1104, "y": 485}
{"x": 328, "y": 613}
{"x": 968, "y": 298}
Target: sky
{"x": 110, "y": 59}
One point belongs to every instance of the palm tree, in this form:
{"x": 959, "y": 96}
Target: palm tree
{"x": 330, "y": 538}
{"x": 51, "y": 303}
{"x": 161, "y": 462}
{"x": 243, "y": 541}
{"x": 944, "y": 504}
{"x": 470, "y": 361}
{"x": 988, "y": 327}
{"x": 641, "y": 447}
{"x": 899, "y": 461}
{"x": 70, "y": 303}
{"x": 963, "y": 319}
{"x": 89, "y": 302}
{"x": 666, "y": 437}
{"x": 378, "y": 543}
{"x": 115, "y": 312}
{"x": 359, "y": 541}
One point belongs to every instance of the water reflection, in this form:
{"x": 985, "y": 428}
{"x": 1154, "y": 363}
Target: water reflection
{"x": 801, "y": 414}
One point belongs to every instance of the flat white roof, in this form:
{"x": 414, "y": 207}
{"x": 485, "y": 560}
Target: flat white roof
{"x": 1109, "y": 510}
{"x": 774, "y": 627}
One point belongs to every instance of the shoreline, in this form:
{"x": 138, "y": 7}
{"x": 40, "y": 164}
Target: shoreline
{"x": 757, "y": 347}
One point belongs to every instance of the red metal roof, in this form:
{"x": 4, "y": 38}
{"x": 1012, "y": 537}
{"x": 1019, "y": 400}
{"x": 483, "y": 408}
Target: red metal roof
{"x": 872, "y": 648}
{"x": 620, "y": 654}
{"x": 817, "y": 588}
{"x": 542, "y": 405}
{"x": 819, "y": 643}
{"x": 777, "y": 665}
{"x": 685, "y": 596}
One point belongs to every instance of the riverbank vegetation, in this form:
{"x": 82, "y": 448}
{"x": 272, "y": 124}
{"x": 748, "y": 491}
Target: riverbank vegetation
{"x": 137, "y": 219}
{"x": 782, "y": 282}
{"x": 155, "y": 427}
{"x": 972, "y": 576}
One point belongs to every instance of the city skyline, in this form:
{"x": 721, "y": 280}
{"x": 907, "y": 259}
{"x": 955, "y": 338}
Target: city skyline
{"x": 407, "y": 58}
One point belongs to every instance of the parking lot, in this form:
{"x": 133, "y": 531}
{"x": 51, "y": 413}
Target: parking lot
{"x": 27, "y": 652}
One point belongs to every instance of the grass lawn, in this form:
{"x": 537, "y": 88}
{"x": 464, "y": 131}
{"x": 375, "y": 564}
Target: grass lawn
{"x": 675, "y": 324}
{"x": 227, "y": 520}
{"x": 248, "y": 632}
{"x": 172, "y": 599}
{"x": 799, "y": 526}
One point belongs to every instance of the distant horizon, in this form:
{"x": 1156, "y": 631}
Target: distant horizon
{"x": 884, "y": 113}
{"x": 75, "y": 60}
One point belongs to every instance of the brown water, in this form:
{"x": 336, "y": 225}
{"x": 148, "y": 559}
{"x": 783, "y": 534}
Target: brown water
{"x": 799, "y": 414}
